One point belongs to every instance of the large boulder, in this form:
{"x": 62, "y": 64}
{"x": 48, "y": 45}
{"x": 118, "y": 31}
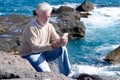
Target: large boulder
{"x": 63, "y": 9}
{"x": 70, "y": 22}
{"x": 15, "y": 67}
{"x": 114, "y": 56}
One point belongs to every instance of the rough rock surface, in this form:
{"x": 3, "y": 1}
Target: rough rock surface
{"x": 85, "y": 6}
{"x": 114, "y": 56}
{"x": 15, "y": 67}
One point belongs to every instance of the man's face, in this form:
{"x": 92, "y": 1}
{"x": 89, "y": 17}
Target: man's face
{"x": 44, "y": 18}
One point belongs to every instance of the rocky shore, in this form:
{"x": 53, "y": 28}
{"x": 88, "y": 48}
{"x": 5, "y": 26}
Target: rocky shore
{"x": 65, "y": 19}
{"x": 13, "y": 67}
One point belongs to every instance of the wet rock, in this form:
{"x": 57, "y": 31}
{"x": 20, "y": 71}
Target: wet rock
{"x": 114, "y": 56}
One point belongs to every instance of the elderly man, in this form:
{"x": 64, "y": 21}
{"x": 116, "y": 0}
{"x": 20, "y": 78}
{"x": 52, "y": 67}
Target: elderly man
{"x": 41, "y": 43}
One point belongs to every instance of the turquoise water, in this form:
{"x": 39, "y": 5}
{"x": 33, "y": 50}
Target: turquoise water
{"x": 26, "y": 7}
{"x": 102, "y": 32}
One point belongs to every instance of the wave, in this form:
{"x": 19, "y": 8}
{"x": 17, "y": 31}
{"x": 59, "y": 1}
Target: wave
{"x": 112, "y": 70}
{"x": 103, "y": 17}
{"x": 105, "y": 47}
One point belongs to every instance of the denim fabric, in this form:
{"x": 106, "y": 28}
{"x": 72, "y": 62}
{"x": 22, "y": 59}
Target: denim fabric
{"x": 39, "y": 60}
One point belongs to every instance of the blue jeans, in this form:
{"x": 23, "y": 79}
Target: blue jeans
{"x": 39, "y": 60}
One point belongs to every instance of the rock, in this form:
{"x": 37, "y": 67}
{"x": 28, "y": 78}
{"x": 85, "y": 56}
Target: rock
{"x": 85, "y": 7}
{"x": 13, "y": 67}
{"x": 63, "y": 9}
{"x": 16, "y": 68}
{"x": 95, "y": 77}
{"x": 70, "y": 22}
{"x": 2, "y": 19}
{"x": 85, "y": 15}
{"x": 4, "y": 29}
{"x": 114, "y": 56}
{"x": 89, "y": 77}
{"x": 8, "y": 45}
{"x": 18, "y": 19}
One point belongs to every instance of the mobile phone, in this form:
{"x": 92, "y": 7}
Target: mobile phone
{"x": 65, "y": 35}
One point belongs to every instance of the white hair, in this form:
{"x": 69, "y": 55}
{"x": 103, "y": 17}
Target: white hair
{"x": 43, "y": 7}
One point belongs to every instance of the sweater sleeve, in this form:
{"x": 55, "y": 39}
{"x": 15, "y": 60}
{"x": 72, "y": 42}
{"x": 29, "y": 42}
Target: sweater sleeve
{"x": 31, "y": 37}
{"x": 54, "y": 35}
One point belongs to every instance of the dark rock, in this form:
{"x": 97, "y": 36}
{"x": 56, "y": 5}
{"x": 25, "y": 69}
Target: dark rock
{"x": 85, "y": 15}
{"x": 95, "y": 77}
{"x": 73, "y": 16}
{"x": 114, "y": 56}
{"x": 88, "y": 77}
{"x": 85, "y": 7}
{"x": 63, "y": 9}
{"x": 8, "y": 45}
{"x": 70, "y": 22}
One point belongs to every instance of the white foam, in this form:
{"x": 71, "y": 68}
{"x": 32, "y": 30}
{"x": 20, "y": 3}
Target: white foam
{"x": 103, "y": 17}
{"x": 105, "y": 47}
{"x": 113, "y": 70}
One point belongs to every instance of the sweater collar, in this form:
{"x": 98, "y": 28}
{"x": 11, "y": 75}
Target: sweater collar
{"x": 36, "y": 23}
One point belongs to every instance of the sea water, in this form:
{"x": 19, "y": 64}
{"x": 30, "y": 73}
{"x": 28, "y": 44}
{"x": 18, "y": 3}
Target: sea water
{"x": 102, "y": 32}
{"x": 102, "y": 36}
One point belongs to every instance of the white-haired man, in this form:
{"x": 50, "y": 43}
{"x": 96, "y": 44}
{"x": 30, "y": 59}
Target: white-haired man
{"x": 41, "y": 43}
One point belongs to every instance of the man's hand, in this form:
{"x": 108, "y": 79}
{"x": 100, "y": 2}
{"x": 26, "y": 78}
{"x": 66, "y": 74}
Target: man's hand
{"x": 61, "y": 42}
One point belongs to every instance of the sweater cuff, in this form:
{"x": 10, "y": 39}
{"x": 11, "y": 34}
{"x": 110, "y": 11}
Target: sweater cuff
{"x": 50, "y": 46}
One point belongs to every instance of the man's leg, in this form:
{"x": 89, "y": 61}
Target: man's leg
{"x": 38, "y": 61}
{"x": 63, "y": 61}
